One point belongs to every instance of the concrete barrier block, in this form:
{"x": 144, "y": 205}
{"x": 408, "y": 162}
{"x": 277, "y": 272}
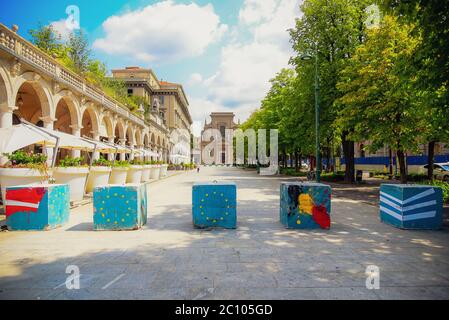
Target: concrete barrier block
{"x": 41, "y": 207}
{"x": 120, "y": 207}
{"x": 305, "y": 205}
{"x": 411, "y": 206}
{"x": 214, "y": 205}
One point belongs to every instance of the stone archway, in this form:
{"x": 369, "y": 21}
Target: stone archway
{"x": 32, "y": 103}
{"x": 66, "y": 116}
{"x": 6, "y": 105}
{"x": 89, "y": 122}
{"x": 106, "y": 129}
{"x": 66, "y": 120}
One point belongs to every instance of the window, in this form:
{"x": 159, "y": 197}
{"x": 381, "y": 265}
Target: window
{"x": 223, "y": 131}
{"x": 362, "y": 151}
{"x": 162, "y": 100}
{"x": 130, "y": 92}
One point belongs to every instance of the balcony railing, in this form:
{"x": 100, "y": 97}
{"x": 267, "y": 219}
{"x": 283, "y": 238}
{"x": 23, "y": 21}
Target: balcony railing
{"x": 25, "y": 51}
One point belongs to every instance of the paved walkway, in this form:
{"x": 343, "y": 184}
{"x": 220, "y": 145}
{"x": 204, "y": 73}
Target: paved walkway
{"x": 168, "y": 259}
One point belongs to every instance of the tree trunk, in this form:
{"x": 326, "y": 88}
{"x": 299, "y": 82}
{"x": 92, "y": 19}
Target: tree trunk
{"x": 348, "y": 153}
{"x": 390, "y": 162}
{"x": 402, "y": 168}
{"x": 431, "y": 160}
{"x": 285, "y": 158}
{"x": 296, "y": 161}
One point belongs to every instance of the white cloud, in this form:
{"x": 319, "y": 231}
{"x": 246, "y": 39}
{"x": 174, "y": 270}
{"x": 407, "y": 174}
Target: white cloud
{"x": 195, "y": 79}
{"x": 255, "y": 11}
{"x": 61, "y": 27}
{"x": 163, "y": 31}
{"x": 242, "y": 78}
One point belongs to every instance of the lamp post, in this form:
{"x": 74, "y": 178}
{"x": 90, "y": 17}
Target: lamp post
{"x": 306, "y": 57}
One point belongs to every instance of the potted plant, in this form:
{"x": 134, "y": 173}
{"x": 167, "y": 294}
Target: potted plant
{"x": 146, "y": 173}
{"x": 135, "y": 172}
{"x": 164, "y": 168}
{"x": 23, "y": 168}
{"x": 71, "y": 171}
{"x": 99, "y": 174}
{"x": 155, "y": 173}
{"x": 119, "y": 172}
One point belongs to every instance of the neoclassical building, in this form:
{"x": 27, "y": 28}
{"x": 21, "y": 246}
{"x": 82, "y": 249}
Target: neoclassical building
{"x": 220, "y": 121}
{"x": 169, "y": 106}
{"x": 37, "y": 88}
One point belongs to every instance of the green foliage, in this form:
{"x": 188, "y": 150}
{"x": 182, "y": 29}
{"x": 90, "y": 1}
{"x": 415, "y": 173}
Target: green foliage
{"x": 443, "y": 185}
{"x": 47, "y": 39}
{"x": 69, "y": 162}
{"x": 22, "y": 159}
{"x": 102, "y": 162}
{"x": 333, "y": 177}
{"x": 78, "y": 51}
{"x": 378, "y": 102}
{"x": 121, "y": 164}
{"x": 137, "y": 162}
{"x": 292, "y": 172}
{"x": 76, "y": 55}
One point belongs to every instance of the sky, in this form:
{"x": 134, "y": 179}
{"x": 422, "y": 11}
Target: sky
{"x": 224, "y": 52}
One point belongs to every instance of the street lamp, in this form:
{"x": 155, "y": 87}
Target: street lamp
{"x": 307, "y": 57}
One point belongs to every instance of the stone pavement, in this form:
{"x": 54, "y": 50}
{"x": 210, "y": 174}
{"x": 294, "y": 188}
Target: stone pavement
{"x": 168, "y": 259}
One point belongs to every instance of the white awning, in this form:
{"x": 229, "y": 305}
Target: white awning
{"x": 71, "y": 142}
{"x": 102, "y": 147}
{"x": 22, "y": 135}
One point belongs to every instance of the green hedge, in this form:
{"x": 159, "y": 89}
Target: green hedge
{"x": 442, "y": 185}
{"x": 292, "y": 172}
{"x": 333, "y": 177}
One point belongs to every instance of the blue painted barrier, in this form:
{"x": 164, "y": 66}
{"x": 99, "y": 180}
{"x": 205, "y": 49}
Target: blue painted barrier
{"x": 41, "y": 207}
{"x": 411, "y": 206}
{"x": 214, "y": 205}
{"x": 121, "y": 207}
{"x": 305, "y": 205}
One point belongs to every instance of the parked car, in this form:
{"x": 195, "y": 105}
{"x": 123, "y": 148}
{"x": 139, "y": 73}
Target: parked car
{"x": 440, "y": 171}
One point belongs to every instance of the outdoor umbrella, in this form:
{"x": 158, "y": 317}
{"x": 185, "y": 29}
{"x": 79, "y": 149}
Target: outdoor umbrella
{"x": 22, "y": 135}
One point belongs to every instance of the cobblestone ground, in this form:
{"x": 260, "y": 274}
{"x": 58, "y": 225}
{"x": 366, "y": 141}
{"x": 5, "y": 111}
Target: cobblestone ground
{"x": 168, "y": 259}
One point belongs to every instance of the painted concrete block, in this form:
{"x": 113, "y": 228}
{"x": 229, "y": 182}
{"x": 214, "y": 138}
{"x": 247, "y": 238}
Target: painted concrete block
{"x": 411, "y": 206}
{"x": 40, "y": 207}
{"x": 305, "y": 205}
{"x": 120, "y": 207}
{"x": 214, "y": 205}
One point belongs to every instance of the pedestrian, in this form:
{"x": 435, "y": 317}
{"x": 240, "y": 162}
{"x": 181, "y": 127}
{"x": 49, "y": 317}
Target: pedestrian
{"x": 198, "y": 169}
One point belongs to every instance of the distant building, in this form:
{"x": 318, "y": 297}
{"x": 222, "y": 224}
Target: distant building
{"x": 380, "y": 160}
{"x": 220, "y": 121}
{"x": 169, "y": 107}
{"x": 196, "y": 150}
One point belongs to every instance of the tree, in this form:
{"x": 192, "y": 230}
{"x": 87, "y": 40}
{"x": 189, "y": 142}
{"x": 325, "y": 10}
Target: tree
{"x": 334, "y": 28}
{"x": 431, "y": 61}
{"x": 379, "y": 101}
{"x": 47, "y": 39}
{"x": 79, "y": 52}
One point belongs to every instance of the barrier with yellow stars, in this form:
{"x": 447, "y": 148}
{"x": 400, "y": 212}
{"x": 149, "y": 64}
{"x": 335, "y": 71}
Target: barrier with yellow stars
{"x": 214, "y": 205}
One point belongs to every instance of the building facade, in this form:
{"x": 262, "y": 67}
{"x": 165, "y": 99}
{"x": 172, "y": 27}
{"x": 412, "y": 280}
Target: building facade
{"x": 143, "y": 83}
{"x": 220, "y": 121}
{"x": 169, "y": 106}
{"x": 37, "y": 88}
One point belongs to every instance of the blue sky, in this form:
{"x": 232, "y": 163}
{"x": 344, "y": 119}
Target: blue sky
{"x": 224, "y": 52}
